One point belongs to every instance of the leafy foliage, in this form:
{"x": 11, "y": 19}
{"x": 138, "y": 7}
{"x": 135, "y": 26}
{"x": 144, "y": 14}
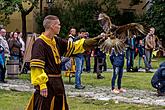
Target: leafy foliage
{"x": 7, "y": 7}
{"x": 80, "y": 14}
{"x": 155, "y": 17}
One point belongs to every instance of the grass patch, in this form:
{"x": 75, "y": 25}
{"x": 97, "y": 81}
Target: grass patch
{"x": 137, "y": 80}
{"x": 11, "y": 100}
{"x": 155, "y": 62}
{"x": 86, "y": 104}
{"x": 24, "y": 76}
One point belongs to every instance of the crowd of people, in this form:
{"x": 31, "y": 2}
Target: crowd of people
{"x": 142, "y": 46}
{"x": 12, "y": 47}
{"x": 53, "y": 51}
{"x": 49, "y": 52}
{"x": 136, "y": 45}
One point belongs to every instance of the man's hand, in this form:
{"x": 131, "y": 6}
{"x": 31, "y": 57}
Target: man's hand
{"x": 44, "y": 92}
{"x": 101, "y": 38}
{"x": 90, "y": 43}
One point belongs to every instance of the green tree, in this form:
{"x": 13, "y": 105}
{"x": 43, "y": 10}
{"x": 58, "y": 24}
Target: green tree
{"x": 81, "y": 14}
{"x": 155, "y": 17}
{"x": 6, "y": 9}
{"x": 9, "y": 6}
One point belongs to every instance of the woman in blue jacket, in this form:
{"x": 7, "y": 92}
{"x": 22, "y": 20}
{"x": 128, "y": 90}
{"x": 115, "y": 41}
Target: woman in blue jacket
{"x": 117, "y": 61}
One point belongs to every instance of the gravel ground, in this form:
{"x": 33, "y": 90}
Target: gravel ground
{"x": 97, "y": 93}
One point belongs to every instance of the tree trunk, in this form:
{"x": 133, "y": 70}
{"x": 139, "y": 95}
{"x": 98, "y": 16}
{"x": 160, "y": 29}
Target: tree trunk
{"x": 40, "y": 7}
{"x": 24, "y": 34}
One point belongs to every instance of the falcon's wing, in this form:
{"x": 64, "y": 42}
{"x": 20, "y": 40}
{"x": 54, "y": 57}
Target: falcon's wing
{"x": 115, "y": 43}
{"x": 120, "y": 35}
{"x": 105, "y": 22}
{"x": 128, "y": 30}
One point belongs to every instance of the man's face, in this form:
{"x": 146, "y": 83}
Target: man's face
{"x": 73, "y": 32}
{"x": 152, "y": 31}
{"x": 82, "y": 34}
{"x": 56, "y": 26}
{"x": 3, "y": 32}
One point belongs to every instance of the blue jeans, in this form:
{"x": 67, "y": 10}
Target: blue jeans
{"x": 79, "y": 60}
{"x": 117, "y": 71}
{"x": 148, "y": 54}
{"x": 2, "y": 72}
{"x": 145, "y": 62}
{"x": 130, "y": 58}
{"x": 105, "y": 65}
{"x": 141, "y": 54}
{"x": 14, "y": 57}
{"x": 88, "y": 63}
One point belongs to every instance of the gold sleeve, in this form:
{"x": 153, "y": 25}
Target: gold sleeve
{"x": 75, "y": 47}
{"x": 79, "y": 46}
{"x": 39, "y": 77}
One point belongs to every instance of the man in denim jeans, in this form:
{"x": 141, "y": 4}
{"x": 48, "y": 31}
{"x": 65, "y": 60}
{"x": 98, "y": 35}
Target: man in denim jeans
{"x": 79, "y": 60}
{"x": 150, "y": 45}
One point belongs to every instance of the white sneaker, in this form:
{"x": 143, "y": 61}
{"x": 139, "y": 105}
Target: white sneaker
{"x": 115, "y": 91}
{"x": 122, "y": 90}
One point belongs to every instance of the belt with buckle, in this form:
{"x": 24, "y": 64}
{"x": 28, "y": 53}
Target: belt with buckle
{"x": 54, "y": 75}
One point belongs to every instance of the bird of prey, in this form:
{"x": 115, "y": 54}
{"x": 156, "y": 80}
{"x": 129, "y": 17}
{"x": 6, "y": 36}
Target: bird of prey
{"x": 117, "y": 35}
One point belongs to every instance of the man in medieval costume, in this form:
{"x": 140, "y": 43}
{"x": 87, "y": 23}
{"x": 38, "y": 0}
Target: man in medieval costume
{"x": 46, "y": 65}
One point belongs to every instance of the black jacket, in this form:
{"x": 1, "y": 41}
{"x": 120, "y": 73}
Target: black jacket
{"x": 158, "y": 80}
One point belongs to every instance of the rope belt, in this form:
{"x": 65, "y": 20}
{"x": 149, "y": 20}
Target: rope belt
{"x": 54, "y": 75}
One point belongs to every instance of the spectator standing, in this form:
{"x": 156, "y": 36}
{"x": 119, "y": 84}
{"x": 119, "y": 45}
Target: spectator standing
{"x": 22, "y": 44}
{"x": 79, "y": 61}
{"x": 117, "y": 61}
{"x": 72, "y": 35}
{"x": 10, "y": 36}
{"x": 22, "y": 50}
{"x": 87, "y": 55}
{"x": 150, "y": 45}
{"x": 4, "y": 43}
{"x": 141, "y": 46}
{"x": 2, "y": 64}
{"x": 5, "y": 53}
{"x": 71, "y": 61}
{"x": 130, "y": 53}
{"x": 100, "y": 58}
{"x": 15, "y": 47}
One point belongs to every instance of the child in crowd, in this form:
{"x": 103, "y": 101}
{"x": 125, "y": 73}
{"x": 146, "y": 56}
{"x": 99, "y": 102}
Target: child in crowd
{"x": 117, "y": 61}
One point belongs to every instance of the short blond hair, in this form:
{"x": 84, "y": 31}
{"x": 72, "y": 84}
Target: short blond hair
{"x": 48, "y": 21}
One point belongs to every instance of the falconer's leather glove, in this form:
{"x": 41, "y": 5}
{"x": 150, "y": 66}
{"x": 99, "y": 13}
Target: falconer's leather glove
{"x": 91, "y": 43}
